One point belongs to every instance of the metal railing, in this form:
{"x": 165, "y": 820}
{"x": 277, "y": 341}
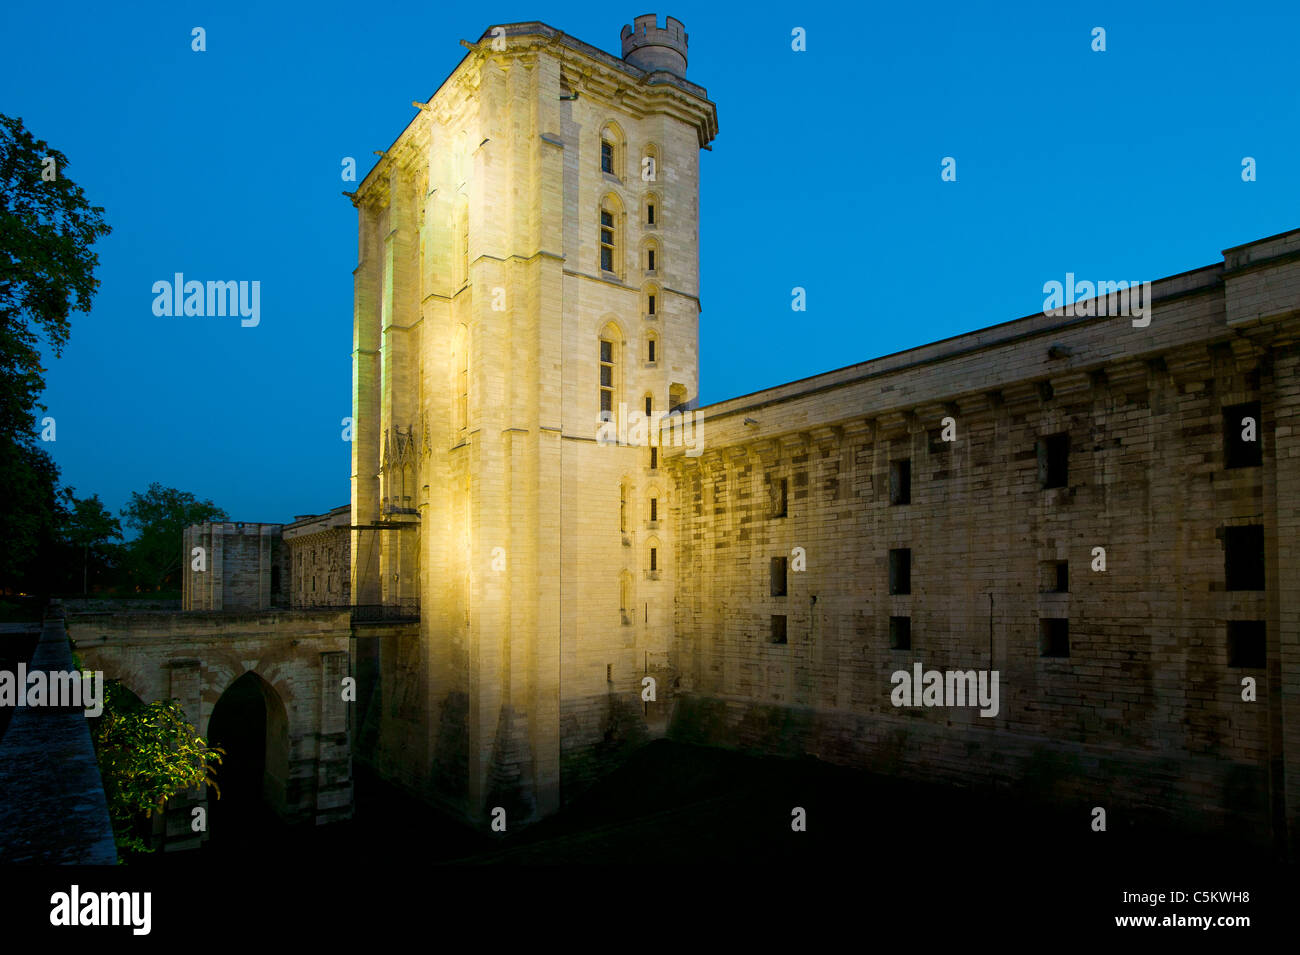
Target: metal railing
{"x": 395, "y": 610}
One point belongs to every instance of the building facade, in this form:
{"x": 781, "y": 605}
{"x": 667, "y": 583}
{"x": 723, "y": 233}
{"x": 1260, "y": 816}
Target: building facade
{"x": 1100, "y": 509}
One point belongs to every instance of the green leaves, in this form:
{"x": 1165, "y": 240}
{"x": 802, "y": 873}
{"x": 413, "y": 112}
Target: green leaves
{"x": 160, "y": 515}
{"x": 47, "y": 227}
{"x": 148, "y": 753}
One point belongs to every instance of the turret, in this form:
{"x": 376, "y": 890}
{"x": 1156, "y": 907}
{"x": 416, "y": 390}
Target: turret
{"x": 650, "y": 47}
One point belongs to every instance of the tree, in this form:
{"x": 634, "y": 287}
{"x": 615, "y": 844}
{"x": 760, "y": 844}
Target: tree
{"x": 160, "y": 516}
{"x": 47, "y": 227}
{"x": 148, "y": 753}
{"x": 87, "y": 526}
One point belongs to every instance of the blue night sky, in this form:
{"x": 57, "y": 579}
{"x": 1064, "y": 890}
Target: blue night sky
{"x": 826, "y": 174}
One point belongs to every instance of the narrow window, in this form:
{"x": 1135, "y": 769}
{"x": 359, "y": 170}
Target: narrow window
{"x": 622, "y": 508}
{"x": 650, "y": 259}
{"x": 607, "y": 241}
{"x": 777, "y": 577}
{"x": 1243, "y": 557}
{"x": 654, "y": 559}
{"x": 1246, "y": 644}
{"x": 1054, "y": 637}
{"x": 650, "y": 304}
{"x": 1241, "y": 446}
{"x": 606, "y": 378}
{"x": 1062, "y": 576}
{"x": 651, "y": 350}
{"x": 609, "y": 673}
{"x": 650, "y": 214}
{"x": 1054, "y": 460}
{"x": 900, "y": 571}
{"x": 654, "y": 509}
{"x": 654, "y": 458}
{"x": 648, "y": 403}
{"x": 778, "y": 628}
{"x": 900, "y": 481}
{"x": 607, "y": 157}
{"x": 464, "y": 245}
{"x": 900, "y": 633}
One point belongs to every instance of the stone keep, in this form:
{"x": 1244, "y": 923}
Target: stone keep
{"x": 528, "y": 256}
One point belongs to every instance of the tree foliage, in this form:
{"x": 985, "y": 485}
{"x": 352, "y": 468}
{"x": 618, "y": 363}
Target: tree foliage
{"x": 148, "y": 753}
{"x": 47, "y": 228}
{"x": 160, "y": 516}
{"x": 88, "y": 526}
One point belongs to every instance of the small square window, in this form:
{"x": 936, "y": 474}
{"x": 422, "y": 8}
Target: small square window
{"x": 900, "y": 571}
{"x": 900, "y": 633}
{"x": 1243, "y": 557}
{"x": 778, "y": 628}
{"x": 1241, "y": 445}
{"x": 1246, "y": 644}
{"x": 900, "y": 481}
{"x": 1054, "y": 460}
{"x": 1054, "y": 637}
{"x": 777, "y": 577}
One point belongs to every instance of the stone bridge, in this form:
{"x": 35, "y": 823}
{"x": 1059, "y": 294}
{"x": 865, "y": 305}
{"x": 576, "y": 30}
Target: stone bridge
{"x": 266, "y": 686}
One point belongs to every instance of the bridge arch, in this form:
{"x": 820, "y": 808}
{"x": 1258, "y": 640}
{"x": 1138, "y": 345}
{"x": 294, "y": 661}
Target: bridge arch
{"x": 250, "y": 722}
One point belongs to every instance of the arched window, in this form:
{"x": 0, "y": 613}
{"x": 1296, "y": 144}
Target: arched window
{"x": 611, "y": 230}
{"x": 650, "y": 163}
{"x": 650, "y": 258}
{"x": 651, "y": 348}
{"x": 612, "y": 150}
{"x": 650, "y": 211}
{"x": 650, "y": 302}
{"x": 611, "y": 343}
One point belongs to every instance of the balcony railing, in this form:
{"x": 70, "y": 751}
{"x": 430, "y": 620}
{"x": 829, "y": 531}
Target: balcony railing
{"x": 406, "y": 609}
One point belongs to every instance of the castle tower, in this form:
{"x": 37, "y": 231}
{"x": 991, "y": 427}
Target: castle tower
{"x": 527, "y": 289}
